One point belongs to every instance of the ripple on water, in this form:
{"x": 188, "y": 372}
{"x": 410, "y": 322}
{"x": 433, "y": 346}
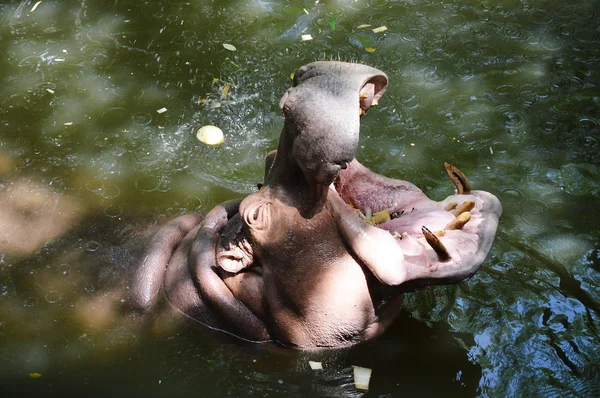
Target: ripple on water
{"x": 562, "y": 106}
{"x": 110, "y": 192}
{"x": 590, "y": 140}
{"x": 142, "y": 118}
{"x": 540, "y": 17}
{"x": 533, "y": 219}
{"x": 94, "y": 185}
{"x": 53, "y": 296}
{"x": 113, "y": 211}
{"x": 513, "y": 196}
{"x": 512, "y": 119}
{"x": 92, "y": 246}
{"x": 113, "y": 118}
{"x": 64, "y": 270}
{"x": 530, "y": 166}
{"x": 437, "y": 79}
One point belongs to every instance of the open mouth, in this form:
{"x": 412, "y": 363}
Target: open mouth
{"x": 418, "y": 224}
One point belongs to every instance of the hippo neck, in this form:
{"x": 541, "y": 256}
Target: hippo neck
{"x": 307, "y": 196}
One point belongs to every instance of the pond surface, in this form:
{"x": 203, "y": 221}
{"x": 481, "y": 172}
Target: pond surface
{"x": 509, "y": 91}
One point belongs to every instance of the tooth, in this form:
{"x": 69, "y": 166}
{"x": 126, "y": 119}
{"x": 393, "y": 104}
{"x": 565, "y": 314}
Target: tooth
{"x": 361, "y": 112}
{"x": 364, "y": 96}
{"x": 458, "y": 178}
{"x": 436, "y": 244}
{"x": 459, "y": 221}
{"x": 451, "y": 206}
{"x": 467, "y": 205}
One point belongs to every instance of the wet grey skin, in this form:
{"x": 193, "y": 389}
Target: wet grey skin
{"x": 296, "y": 262}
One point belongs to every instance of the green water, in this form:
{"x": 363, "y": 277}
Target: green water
{"x": 506, "y": 90}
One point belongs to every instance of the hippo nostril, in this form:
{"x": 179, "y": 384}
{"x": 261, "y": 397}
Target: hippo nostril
{"x": 344, "y": 165}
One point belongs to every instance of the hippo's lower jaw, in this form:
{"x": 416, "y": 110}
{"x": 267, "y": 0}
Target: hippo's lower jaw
{"x": 405, "y": 238}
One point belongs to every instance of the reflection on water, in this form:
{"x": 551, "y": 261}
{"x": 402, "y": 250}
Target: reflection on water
{"x": 508, "y": 90}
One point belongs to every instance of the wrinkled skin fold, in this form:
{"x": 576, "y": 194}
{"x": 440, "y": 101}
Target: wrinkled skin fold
{"x": 321, "y": 254}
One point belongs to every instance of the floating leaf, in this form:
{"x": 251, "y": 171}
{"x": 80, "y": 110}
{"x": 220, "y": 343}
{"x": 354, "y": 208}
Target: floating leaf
{"x": 365, "y": 25}
{"x": 225, "y": 91}
{"x": 292, "y": 75}
{"x": 210, "y": 135}
{"x": 35, "y": 375}
{"x": 380, "y": 29}
{"x": 229, "y": 47}
{"x": 362, "y": 376}
{"x": 315, "y": 365}
{"x": 370, "y": 49}
{"x": 216, "y": 79}
{"x": 306, "y": 37}
{"x": 332, "y": 23}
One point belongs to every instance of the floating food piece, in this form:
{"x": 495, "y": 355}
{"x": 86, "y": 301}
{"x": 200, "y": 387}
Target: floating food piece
{"x": 229, "y": 47}
{"x": 306, "y": 37}
{"x": 35, "y": 6}
{"x": 380, "y": 217}
{"x": 370, "y": 49}
{"x": 210, "y": 135}
{"x": 35, "y": 375}
{"x": 380, "y": 29}
{"x": 315, "y": 365}
{"x": 362, "y": 376}
{"x": 161, "y": 110}
{"x": 365, "y": 25}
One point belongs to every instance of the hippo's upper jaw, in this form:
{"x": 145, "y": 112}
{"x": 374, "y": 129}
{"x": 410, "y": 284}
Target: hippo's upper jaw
{"x": 322, "y": 118}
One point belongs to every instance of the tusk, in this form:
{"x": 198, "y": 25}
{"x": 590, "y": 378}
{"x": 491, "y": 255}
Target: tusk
{"x": 467, "y": 205}
{"x": 458, "y": 178}
{"x": 437, "y": 245}
{"x": 451, "y": 206}
{"x": 459, "y": 221}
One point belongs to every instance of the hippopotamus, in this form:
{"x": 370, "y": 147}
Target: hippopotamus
{"x": 322, "y": 253}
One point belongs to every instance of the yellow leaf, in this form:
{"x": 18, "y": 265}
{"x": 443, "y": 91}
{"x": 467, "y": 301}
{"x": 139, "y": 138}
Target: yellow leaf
{"x": 292, "y": 75}
{"x": 370, "y": 49}
{"x": 35, "y": 375}
{"x": 225, "y": 91}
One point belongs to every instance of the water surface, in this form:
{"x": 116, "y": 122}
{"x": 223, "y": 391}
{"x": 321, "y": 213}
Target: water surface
{"x": 506, "y": 90}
